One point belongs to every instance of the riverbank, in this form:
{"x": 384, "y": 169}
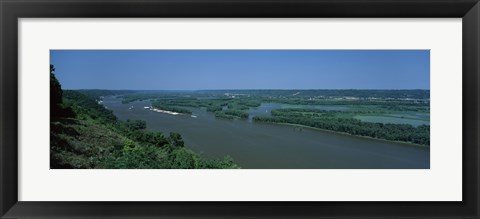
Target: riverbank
{"x": 343, "y": 133}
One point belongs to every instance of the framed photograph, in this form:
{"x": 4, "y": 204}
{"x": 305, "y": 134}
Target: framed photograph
{"x": 239, "y": 109}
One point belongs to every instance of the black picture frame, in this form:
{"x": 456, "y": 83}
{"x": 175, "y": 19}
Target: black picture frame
{"x": 12, "y": 10}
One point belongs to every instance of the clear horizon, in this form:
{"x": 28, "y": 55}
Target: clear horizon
{"x": 196, "y": 70}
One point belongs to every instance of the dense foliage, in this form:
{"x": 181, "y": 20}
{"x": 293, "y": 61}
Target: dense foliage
{"x": 57, "y": 108}
{"x": 237, "y": 113}
{"x": 92, "y": 137}
{"x": 55, "y": 93}
{"x": 330, "y": 120}
{"x": 87, "y": 107}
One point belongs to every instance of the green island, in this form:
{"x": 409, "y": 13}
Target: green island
{"x": 392, "y": 115}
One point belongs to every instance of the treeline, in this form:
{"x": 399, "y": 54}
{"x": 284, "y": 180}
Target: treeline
{"x": 328, "y": 121}
{"x": 235, "y": 108}
{"x": 231, "y": 114}
{"x": 383, "y": 94}
{"x": 92, "y": 137}
{"x": 226, "y": 108}
{"x": 238, "y": 113}
{"x": 96, "y": 93}
{"x": 137, "y": 97}
{"x": 332, "y": 93}
{"x": 146, "y": 95}
{"x": 391, "y": 100}
{"x": 358, "y": 102}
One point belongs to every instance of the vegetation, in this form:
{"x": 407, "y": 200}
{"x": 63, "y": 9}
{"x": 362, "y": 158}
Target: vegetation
{"x": 226, "y": 108}
{"x": 330, "y": 120}
{"x": 98, "y": 94}
{"x": 86, "y": 135}
{"x": 140, "y": 96}
{"x": 324, "y": 94}
{"x": 87, "y": 107}
{"x": 236, "y": 113}
{"x": 382, "y": 114}
{"x": 371, "y": 113}
{"x": 55, "y": 94}
{"x": 57, "y": 109}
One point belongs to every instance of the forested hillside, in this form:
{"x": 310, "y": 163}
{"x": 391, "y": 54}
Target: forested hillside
{"x": 83, "y": 134}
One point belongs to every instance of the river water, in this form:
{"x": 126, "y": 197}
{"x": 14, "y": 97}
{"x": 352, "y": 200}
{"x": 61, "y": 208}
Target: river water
{"x": 271, "y": 146}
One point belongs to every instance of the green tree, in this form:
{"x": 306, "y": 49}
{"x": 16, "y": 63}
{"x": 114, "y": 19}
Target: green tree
{"x": 175, "y": 140}
{"x": 55, "y": 94}
{"x": 136, "y": 124}
{"x": 184, "y": 159}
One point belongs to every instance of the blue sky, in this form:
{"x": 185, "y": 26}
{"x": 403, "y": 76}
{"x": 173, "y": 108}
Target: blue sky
{"x": 242, "y": 69}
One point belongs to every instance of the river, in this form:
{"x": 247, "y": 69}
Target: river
{"x": 271, "y": 146}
